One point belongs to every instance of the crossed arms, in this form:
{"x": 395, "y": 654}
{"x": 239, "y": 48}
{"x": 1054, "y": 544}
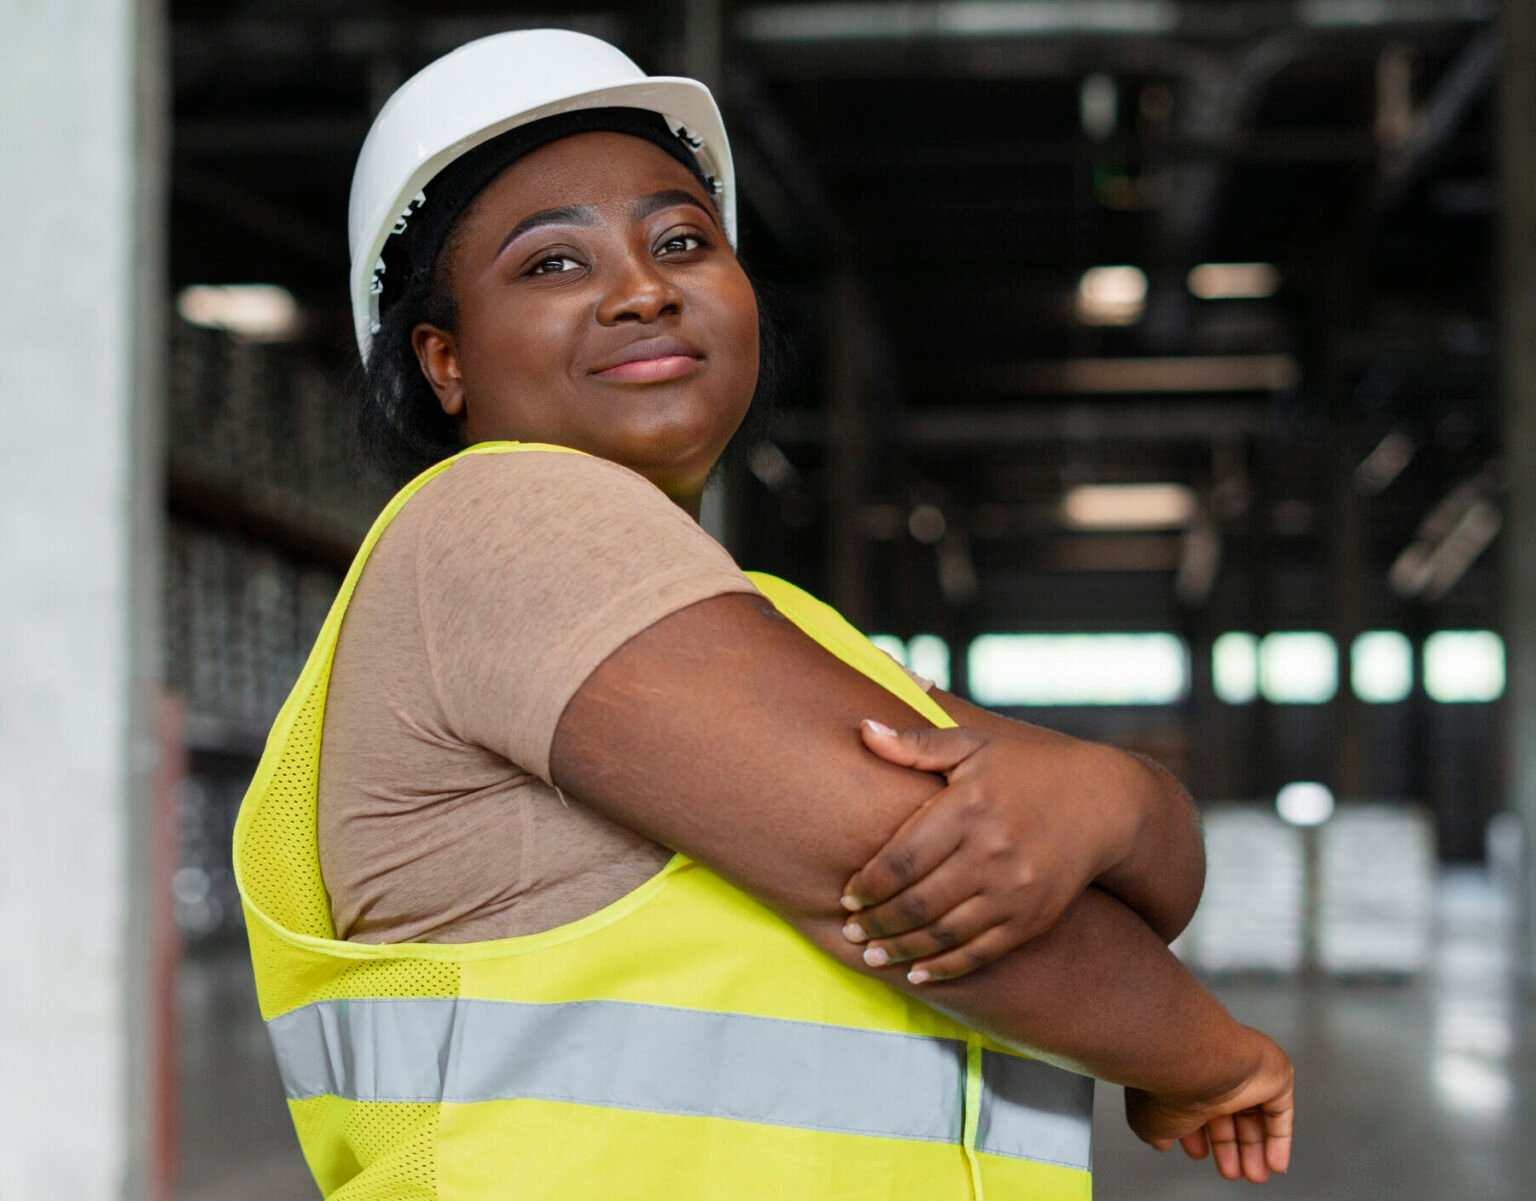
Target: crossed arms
{"x": 724, "y": 732}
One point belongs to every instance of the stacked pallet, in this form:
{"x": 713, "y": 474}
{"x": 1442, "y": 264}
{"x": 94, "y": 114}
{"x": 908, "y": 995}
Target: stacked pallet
{"x": 1252, "y": 917}
{"x": 1375, "y": 890}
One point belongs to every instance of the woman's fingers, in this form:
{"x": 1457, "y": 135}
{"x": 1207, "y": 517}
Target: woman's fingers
{"x": 959, "y": 924}
{"x": 1250, "y": 1144}
{"x": 926, "y": 748}
{"x": 927, "y": 904}
{"x": 922, "y": 842}
{"x": 1279, "y": 1120}
{"x": 1222, "y": 1131}
{"x": 987, "y": 947}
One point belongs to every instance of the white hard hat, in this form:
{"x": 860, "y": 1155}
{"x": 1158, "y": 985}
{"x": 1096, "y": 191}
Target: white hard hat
{"x": 485, "y": 88}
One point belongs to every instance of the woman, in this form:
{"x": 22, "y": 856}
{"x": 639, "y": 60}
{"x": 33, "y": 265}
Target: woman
{"x": 556, "y": 905}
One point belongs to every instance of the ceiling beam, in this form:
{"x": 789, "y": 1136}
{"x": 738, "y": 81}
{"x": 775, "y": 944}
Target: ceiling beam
{"x": 1013, "y": 425}
{"x": 1462, "y": 85}
{"x": 847, "y": 21}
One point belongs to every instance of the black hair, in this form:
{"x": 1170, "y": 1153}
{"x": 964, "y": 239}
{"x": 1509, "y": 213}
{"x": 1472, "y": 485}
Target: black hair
{"x": 401, "y": 428}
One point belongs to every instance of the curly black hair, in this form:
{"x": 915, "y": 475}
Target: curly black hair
{"x": 402, "y": 430}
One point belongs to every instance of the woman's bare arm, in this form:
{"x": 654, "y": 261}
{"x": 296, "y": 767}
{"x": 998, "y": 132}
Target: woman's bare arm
{"x": 726, "y": 733}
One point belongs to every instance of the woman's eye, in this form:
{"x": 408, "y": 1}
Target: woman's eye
{"x": 683, "y": 243}
{"x": 542, "y": 267}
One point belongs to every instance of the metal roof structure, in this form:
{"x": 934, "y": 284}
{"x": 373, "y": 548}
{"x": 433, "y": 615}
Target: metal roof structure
{"x": 927, "y": 190}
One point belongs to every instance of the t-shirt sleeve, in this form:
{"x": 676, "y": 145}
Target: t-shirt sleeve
{"x": 531, "y": 569}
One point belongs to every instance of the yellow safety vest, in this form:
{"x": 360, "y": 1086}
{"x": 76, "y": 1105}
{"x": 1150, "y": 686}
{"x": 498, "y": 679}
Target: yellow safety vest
{"x": 681, "y": 1043}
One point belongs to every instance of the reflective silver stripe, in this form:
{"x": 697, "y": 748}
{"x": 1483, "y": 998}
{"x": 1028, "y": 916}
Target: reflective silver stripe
{"x": 627, "y": 1055}
{"x": 1032, "y": 1110}
{"x": 651, "y": 1057}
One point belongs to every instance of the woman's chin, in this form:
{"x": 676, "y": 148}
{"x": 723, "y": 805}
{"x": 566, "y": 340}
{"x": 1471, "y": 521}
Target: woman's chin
{"x": 677, "y": 460}
{"x": 679, "y": 440}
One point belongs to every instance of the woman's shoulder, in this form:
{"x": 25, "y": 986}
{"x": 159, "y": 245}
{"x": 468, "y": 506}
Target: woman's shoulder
{"x": 526, "y": 569}
{"x": 512, "y": 471}
{"x": 594, "y": 524}
{"x": 494, "y": 490}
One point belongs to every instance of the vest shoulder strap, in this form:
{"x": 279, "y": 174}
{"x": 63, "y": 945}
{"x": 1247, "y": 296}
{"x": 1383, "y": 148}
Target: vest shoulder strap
{"x": 834, "y": 632}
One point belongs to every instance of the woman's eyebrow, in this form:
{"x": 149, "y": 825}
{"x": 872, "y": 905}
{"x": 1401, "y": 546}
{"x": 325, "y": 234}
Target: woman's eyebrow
{"x": 567, "y": 214}
{"x": 656, "y": 201}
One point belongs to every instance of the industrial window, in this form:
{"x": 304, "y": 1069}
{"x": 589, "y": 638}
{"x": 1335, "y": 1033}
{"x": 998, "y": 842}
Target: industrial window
{"x": 1464, "y": 665}
{"x": 1077, "y": 669}
{"x": 1298, "y": 667}
{"x": 1235, "y": 668}
{"x": 926, "y": 654}
{"x": 1381, "y": 666}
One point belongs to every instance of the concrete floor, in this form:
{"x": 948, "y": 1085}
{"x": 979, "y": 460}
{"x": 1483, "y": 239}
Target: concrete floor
{"x": 1407, "y": 1092}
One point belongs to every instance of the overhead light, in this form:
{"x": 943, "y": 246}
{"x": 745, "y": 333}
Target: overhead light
{"x": 1448, "y": 541}
{"x": 958, "y": 580}
{"x": 1112, "y": 295}
{"x": 1098, "y": 105}
{"x": 772, "y": 467}
{"x": 1367, "y": 13}
{"x": 1128, "y": 506}
{"x": 1385, "y": 463}
{"x": 1473, "y": 534}
{"x": 1181, "y": 373}
{"x": 1305, "y": 803}
{"x": 256, "y": 312}
{"x": 1234, "y": 281}
{"x": 1199, "y": 560}
{"x": 926, "y": 524}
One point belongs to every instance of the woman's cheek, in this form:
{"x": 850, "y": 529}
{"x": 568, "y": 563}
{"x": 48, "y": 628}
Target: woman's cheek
{"x": 737, "y": 314}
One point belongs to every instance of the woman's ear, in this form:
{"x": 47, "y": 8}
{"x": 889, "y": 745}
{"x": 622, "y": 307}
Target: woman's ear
{"x": 438, "y": 353}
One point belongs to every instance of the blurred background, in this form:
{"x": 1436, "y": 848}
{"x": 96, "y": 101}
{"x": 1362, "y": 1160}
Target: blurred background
{"x": 1161, "y": 371}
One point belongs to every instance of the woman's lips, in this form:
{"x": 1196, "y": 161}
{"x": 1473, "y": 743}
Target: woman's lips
{"x": 650, "y": 371}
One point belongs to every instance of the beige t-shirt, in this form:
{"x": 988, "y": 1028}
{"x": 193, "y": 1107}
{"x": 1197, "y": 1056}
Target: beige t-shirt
{"x": 487, "y": 602}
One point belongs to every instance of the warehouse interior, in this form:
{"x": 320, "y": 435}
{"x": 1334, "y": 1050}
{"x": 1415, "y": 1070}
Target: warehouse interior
{"x": 1159, "y": 371}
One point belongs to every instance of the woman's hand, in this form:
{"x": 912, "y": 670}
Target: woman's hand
{"x": 992, "y": 860}
{"x": 1247, "y": 1126}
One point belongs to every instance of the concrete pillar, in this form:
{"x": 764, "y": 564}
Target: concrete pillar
{"x": 849, "y": 455}
{"x": 82, "y": 121}
{"x": 1517, "y": 259}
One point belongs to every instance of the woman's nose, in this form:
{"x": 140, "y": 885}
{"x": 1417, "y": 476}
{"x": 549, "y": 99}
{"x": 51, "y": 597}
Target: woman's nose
{"x": 638, "y": 291}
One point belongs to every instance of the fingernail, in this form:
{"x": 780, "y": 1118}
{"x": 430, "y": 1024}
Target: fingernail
{"x": 879, "y": 727}
{"x": 875, "y": 956}
{"x": 854, "y": 932}
{"x": 917, "y": 975}
{"x": 850, "y": 903}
